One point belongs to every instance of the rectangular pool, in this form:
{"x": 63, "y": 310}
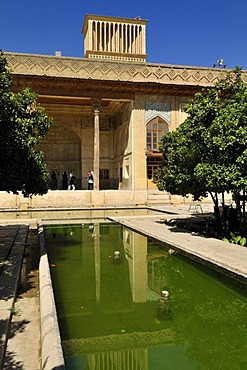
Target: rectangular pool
{"x": 108, "y": 283}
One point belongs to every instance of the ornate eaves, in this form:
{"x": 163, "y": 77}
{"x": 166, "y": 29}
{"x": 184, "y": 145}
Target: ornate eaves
{"x": 83, "y": 68}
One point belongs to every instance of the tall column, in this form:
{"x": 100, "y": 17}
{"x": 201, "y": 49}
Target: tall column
{"x": 117, "y": 38}
{"x": 90, "y": 39}
{"x": 143, "y": 40}
{"x": 134, "y": 39}
{"x": 104, "y": 47}
{"x": 126, "y": 39}
{"x": 100, "y": 36}
{"x": 96, "y": 107}
{"x": 130, "y": 43}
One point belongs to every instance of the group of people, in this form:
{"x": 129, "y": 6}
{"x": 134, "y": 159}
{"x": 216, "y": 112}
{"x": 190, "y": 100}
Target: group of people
{"x": 68, "y": 183}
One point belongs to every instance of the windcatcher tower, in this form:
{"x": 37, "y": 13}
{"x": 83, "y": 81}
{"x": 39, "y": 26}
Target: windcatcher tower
{"x": 112, "y": 38}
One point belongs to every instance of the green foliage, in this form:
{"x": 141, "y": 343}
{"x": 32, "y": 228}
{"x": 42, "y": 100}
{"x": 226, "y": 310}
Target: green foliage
{"x": 236, "y": 239}
{"x": 23, "y": 124}
{"x": 14, "y": 311}
{"x": 207, "y": 153}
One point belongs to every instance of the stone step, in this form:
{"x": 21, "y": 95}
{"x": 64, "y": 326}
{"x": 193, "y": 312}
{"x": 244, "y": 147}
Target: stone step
{"x": 158, "y": 197}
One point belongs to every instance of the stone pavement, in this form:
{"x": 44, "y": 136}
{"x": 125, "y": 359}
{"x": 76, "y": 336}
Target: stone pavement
{"x": 217, "y": 253}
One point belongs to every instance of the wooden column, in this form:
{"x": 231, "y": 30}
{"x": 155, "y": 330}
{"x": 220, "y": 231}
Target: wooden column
{"x": 96, "y": 107}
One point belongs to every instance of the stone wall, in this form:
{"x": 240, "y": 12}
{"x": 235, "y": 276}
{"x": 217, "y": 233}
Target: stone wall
{"x": 74, "y": 199}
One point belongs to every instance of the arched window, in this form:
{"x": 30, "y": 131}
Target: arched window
{"x": 156, "y": 128}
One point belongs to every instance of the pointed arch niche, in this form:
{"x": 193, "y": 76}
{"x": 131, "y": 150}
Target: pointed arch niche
{"x": 156, "y": 128}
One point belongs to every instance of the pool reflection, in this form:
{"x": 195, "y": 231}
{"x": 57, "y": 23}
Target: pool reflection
{"x": 148, "y": 308}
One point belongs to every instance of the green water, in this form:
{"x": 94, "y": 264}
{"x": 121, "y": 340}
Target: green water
{"x": 111, "y": 314}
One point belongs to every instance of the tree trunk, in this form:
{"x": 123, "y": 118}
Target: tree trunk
{"x": 242, "y": 219}
{"x": 217, "y": 213}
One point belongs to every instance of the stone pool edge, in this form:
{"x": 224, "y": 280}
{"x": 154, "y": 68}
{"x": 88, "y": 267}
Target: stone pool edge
{"x": 51, "y": 346}
{"x": 46, "y": 291}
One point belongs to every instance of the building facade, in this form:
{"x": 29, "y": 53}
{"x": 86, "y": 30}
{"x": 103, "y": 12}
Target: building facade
{"x": 109, "y": 108}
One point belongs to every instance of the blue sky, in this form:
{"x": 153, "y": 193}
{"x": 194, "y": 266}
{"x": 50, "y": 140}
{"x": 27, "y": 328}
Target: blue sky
{"x": 191, "y": 32}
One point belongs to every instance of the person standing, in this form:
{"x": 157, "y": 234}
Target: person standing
{"x": 90, "y": 180}
{"x": 71, "y": 181}
{"x": 64, "y": 181}
{"x": 53, "y": 181}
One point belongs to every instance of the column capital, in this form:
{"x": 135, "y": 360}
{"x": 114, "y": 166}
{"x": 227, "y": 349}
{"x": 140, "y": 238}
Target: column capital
{"x": 96, "y": 105}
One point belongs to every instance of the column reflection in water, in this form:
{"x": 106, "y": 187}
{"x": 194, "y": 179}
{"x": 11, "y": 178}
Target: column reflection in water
{"x": 96, "y": 236}
{"x": 135, "y": 250}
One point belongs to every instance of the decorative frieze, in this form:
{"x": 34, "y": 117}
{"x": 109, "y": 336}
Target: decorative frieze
{"x": 104, "y": 124}
{"x": 86, "y": 122}
{"x": 84, "y": 68}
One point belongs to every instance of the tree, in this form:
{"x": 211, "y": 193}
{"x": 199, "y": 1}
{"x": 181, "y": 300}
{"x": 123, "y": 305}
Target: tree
{"x": 23, "y": 123}
{"x": 207, "y": 154}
